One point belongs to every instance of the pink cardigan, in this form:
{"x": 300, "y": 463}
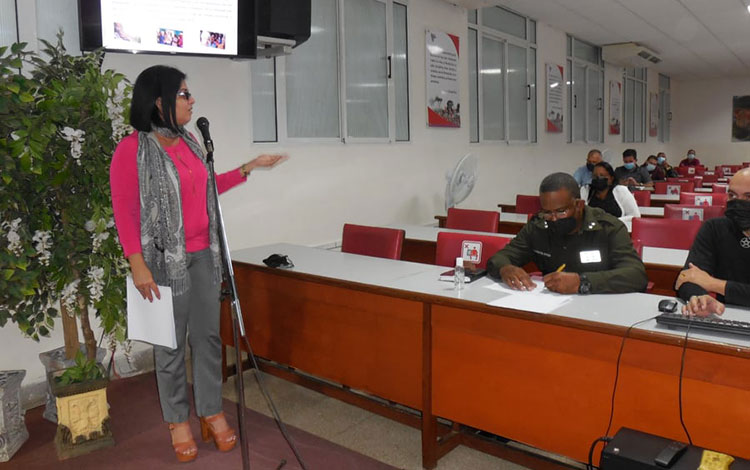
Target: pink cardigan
{"x": 123, "y": 179}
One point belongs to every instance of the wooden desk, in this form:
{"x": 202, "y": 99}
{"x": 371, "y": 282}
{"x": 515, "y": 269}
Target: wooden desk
{"x": 391, "y": 329}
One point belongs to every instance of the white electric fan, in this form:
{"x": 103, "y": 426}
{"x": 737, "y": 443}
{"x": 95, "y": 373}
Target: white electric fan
{"x": 461, "y": 180}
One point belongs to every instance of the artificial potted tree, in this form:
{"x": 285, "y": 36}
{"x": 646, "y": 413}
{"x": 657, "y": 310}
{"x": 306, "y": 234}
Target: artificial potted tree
{"x": 59, "y": 255}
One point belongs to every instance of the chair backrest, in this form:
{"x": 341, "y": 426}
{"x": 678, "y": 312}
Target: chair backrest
{"x": 711, "y": 178}
{"x": 704, "y": 199}
{"x": 690, "y": 170}
{"x": 664, "y": 233}
{"x": 719, "y": 187}
{"x": 527, "y": 204}
{"x": 642, "y": 198}
{"x": 676, "y": 187}
{"x": 692, "y": 212}
{"x": 476, "y": 249}
{"x": 471, "y": 219}
{"x": 745, "y": 164}
{"x": 372, "y": 241}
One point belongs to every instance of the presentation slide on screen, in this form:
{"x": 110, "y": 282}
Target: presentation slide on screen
{"x": 179, "y": 26}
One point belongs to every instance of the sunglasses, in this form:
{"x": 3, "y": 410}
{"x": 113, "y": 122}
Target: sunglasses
{"x": 185, "y": 94}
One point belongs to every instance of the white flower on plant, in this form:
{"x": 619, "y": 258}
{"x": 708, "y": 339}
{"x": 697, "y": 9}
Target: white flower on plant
{"x": 42, "y": 244}
{"x": 110, "y": 223}
{"x": 90, "y": 225}
{"x": 76, "y": 138}
{"x": 68, "y": 296}
{"x": 115, "y": 111}
{"x": 14, "y": 239}
{"x": 14, "y": 136}
{"x": 95, "y": 284}
{"x": 98, "y": 239}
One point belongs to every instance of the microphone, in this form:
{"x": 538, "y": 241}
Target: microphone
{"x": 203, "y": 127}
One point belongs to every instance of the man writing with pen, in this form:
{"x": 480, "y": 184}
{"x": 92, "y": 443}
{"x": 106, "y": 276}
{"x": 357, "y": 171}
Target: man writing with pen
{"x": 579, "y": 249}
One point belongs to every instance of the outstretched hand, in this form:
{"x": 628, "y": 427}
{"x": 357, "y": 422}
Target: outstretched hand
{"x": 266, "y": 160}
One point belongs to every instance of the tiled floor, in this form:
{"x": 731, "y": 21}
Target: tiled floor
{"x": 355, "y": 428}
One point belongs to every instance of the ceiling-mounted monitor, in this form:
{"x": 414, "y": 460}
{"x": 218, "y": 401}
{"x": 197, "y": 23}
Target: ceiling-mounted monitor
{"x": 194, "y": 27}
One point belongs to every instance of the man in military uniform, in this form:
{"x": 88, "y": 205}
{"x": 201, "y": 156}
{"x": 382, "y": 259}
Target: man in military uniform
{"x": 592, "y": 247}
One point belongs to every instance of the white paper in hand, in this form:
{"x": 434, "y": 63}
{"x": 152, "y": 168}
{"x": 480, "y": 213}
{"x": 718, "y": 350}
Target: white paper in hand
{"x": 152, "y": 322}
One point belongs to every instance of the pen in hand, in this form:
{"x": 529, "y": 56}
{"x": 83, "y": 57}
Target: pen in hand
{"x": 561, "y": 268}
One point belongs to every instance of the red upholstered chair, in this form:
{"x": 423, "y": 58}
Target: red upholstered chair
{"x": 642, "y": 198}
{"x": 745, "y": 164}
{"x": 704, "y": 199}
{"x": 692, "y": 212}
{"x": 372, "y": 241}
{"x": 677, "y": 187}
{"x": 711, "y": 178}
{"x": 719, "y": 187}
{"x": 527, "y": 204}
{"x": 470, "y": 219}
{"x": 664, "y": 233}
{"x": 450, "y": 245}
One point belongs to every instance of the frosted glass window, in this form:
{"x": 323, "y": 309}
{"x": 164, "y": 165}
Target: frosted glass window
{"x": 594, "y": 105}
{"x": 634, "y": 122}
{"x": 263, "y": 80}
{"x": 401, "y": 71}
{"x": 473, "y": 88}
{"x": 8, "y": 26}
{"x": 493, "y": 99}
{"x": 532, "y": 31}
{"x": 312, "y": 83}
{"x": 579, "y": 103}
{"x": 518, "y": 113}
{"x": 366, "y": 69}
{"x": 473, "y": 16}
{"x": 532, "y": 104}
{"x": 54, "y": 15}
{"x": 639, "y": 113}
{"x": 628, "y": 122}
{"x": 663, "y": 82}
{"x": 664, "y": 109}
{"x": 586, "y": 52}
{"x": 505, "y": 21}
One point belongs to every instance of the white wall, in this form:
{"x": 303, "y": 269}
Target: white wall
{"x": 703, "y": 120}
{"x": 308, "y": 198}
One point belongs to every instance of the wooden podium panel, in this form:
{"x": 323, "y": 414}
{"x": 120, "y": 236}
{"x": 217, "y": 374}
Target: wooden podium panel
{"x": 360, "y": 339}
{"x": 550, "y": 385}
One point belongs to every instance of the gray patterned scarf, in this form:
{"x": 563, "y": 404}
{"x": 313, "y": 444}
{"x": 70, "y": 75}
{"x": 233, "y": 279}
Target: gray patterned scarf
{"x": 162, "y": 228}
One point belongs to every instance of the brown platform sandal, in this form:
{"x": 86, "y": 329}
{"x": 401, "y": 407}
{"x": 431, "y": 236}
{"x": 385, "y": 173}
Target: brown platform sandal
{"x": 186, "y": 450}
{"x": 215, "y": 427}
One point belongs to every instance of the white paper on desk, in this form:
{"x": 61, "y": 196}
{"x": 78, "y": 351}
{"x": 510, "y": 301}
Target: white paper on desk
{"x": 502, "y": 287}
{"x": 152, "y": 322}
{"x": 543, "y": 302}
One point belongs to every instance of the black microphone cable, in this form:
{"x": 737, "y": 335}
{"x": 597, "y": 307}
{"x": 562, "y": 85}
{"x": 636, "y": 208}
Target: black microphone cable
{"x": 606, "y": 437}
{"x": 679, "y": 390}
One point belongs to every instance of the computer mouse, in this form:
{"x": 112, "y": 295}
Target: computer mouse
{"x": 668, "y": 305}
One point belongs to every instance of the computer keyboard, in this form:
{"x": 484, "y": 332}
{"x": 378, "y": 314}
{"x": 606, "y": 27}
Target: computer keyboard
{"x": 705, "y": 323}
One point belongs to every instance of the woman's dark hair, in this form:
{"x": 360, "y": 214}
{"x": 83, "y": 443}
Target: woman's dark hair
{"x": 608, "y": 168}
{"x": 159, "y": 81}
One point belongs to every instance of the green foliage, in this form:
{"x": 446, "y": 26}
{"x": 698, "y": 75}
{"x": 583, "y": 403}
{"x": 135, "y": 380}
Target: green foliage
{"x": 62, "y": 117}
{"x": 84, "y": 370}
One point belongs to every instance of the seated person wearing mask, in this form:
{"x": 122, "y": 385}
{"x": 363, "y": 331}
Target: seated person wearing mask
{"x": 593, "y": 246}
{"x": 583, "y": 173}
{"x": 719, "y": 260}
{"x": 653, "y": 168}
{"x": 630, "y": 174}
{"x": 606, "y": 194}
{"x": 669, "y": 171}
{"x": 690, "y": 160}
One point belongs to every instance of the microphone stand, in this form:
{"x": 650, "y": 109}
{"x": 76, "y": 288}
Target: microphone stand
{"x": 238, "y": 325}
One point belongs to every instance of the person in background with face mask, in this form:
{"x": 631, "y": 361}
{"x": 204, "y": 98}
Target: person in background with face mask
{"x": 653, "y": 168}
{"x": 630, "y": 174}
{"x": 719, "y": 260}
{"x": 669, "y": 171}
{"x": 690, "y": 160}
{"x": 606, "y": 194}
{"x": 583, "y": 173}
{"x": 592, "y": 247}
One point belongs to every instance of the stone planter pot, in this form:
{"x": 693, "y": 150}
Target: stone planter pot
{"x": 13, "y": 432}
{"x": 82, "y": 416}
{"x": 55, "y": 360}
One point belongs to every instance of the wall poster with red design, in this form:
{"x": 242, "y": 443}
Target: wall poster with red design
{"x": 443, "y": 106}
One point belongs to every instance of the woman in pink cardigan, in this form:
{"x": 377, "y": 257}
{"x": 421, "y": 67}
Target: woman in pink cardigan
{"x": 165, "y": 212}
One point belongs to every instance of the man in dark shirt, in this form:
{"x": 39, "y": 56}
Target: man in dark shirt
{"x": 580, "y": 249}
{"x": 630, "y": 174}
{"x": 719, "y": 260}
{"x": 690, "y": 160}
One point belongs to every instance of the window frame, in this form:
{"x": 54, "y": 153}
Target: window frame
{"x": 571, "y": 62}
{"x": 505, "y": 39}
{"x": 631, "y": 74}
{"x": 665, "y": 112}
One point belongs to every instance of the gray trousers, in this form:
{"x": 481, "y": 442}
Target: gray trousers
{"x": 196, "y": 311}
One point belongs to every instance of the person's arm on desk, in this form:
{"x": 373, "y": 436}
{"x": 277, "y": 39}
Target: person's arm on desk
{"x": 505, "y": 264}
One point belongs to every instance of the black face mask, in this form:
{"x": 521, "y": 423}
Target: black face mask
{"x": 738, "y": 211}
{"x": 597, "y": 184}
{"x": 589, "y": 166}
{"x": 562, "y": 227}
